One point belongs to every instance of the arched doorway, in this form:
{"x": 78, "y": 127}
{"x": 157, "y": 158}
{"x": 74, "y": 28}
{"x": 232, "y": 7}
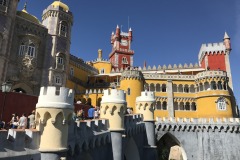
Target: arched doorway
{"x": 131, "y": 150}
{"x": 170, "y": 148}
{"x": 22, "y": 88}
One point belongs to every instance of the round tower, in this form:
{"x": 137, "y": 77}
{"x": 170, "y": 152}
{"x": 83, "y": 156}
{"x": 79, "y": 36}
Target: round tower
{"x": 53, "y": 111}
{"x": 113, "y": 107}
{"x": 132, "y": 82}
{"x": 145, "y": 105}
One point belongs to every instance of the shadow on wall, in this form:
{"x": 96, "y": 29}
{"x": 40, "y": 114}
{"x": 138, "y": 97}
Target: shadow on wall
{"x": 170, "y": 148}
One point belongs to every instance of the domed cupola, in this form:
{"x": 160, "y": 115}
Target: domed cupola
{"x": 59, "y": 4}
{"x": 24, "y": 14}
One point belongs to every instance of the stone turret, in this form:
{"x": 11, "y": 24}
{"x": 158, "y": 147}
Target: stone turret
{"x": 53, "y": 111}
{"x": 145, "y": 105}
{"x": 113, "y": 107}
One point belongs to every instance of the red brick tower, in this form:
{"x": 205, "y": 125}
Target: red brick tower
{"x": 121, "y": 55}
{"x": 215, "y": 56}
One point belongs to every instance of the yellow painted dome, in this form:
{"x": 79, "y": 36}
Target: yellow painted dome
{"x": 24, "y": 14}
{"x": 60, "y": 4}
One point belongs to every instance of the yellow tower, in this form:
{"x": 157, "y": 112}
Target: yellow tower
{"x": 53, "y": 111}
{"x": 132, "y": 82}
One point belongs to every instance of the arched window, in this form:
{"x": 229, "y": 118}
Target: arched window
{"x": 186, "y": 89}
{"x": 21, "y": 49}
{"x": 206, "y": 86}
{"x": 128, "y": 91}
{"x": 200, "y": 87}
{"x": 63, "y": 29}
{"x": 187, "y": 106}
{"x": 180, "y": 88}
{"x": 164, "y": 105}
{"x": 213, "y": 85}
{"x": 175, "y": 105}
{"x": 3, "y": 2}
{"x": 152, "y": 88}
{"x": 193, "y": 106}
{"x": 124, "y": 60}
{"x": 174, "y": 88}
{"x": 164, "y": 88}
{"x": 219, "y": 85}
{"x": 181, "y": 106}
{"x": 31, "y": 50}
{"x": 157, "y": 87}
{"x": 192, "y": 88}
{"x": 158, "y": 105}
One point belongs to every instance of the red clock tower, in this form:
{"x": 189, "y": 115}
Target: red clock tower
{"x": 121, "y": 55}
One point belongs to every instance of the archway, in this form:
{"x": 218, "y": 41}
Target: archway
{"x": 22, "y": 87}
{"x": 131, "y": 150}
{"x": 170, "y": 148}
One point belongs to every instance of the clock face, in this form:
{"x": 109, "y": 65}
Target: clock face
{"x": 124, "y": 42}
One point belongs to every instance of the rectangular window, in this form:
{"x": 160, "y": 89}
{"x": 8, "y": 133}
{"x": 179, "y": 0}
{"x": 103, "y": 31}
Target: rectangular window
{"x": 221, "y": 106}
{"x": 102, "y": 71}
{"x": 71, "y": 71}
{"x": 31, "y": 51}
{"x": 59, "y": 60}
{"x": 58, "y": 80}
{"x": 21, "y": 50}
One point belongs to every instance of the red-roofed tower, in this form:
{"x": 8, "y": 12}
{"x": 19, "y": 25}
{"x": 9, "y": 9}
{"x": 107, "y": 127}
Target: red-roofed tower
{"x": 121, "y": 55}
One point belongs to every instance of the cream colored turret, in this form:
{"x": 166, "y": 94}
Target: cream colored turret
{"x": 145, "y": 105}
{"x": 113, "y": 107}
{"x": 53, "y": 111}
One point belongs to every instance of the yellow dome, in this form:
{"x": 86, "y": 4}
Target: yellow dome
{"x": 24, "y": 14}
{"x": 60, "y": 4}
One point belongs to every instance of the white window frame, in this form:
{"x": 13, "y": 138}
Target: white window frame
{"x": 31, "y": 50}
{"x": 60, "y": 60}
{"x": 58, "y": 80}
{"x": 71, "y": 71}
{"x": 63, "y": 29}
{"x": 21, "y": 49}
{"x": 221, "y": 104}
{"x": 102, "y": 71}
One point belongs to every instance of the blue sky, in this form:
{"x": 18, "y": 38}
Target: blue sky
{"x": 164, "y": 31}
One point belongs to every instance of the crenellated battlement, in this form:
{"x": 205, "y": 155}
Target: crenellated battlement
{"x": 51, "y": 97}
{"x": 21, "y": 142}
{"x": 211, "y": 48}
{"x": 199, "y": 124}
{"x": 146, "y": 97}
{"x": 128, "y": 74}
{"x": 114, "y": 96}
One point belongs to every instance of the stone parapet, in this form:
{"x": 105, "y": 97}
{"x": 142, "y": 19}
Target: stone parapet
{"x": 18, "y": 142}
{"x": 127, "y": 74}
{"x": 133, "y": 124}
{"x": 211, "y": 74}
{"x": 199, "y": 124}
{"x": 88, "y": 135}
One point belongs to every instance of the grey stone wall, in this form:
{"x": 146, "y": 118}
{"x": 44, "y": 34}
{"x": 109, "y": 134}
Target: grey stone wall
{"x": 203, "y": 140}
